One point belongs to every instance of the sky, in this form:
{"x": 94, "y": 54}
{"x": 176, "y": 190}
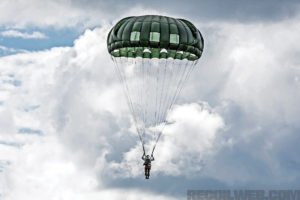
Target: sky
{"x": 65, "y": 129}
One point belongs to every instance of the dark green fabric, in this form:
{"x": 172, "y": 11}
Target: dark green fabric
{"x": 132, "y": 35}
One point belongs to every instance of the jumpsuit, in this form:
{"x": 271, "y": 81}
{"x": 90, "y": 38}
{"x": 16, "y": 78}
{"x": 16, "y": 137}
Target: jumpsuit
{"x": 147, "y": 165}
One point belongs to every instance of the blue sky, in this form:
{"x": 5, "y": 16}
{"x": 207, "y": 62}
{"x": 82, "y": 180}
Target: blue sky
{"x": 64, "y": 123}
{"x": 52, "y": 38}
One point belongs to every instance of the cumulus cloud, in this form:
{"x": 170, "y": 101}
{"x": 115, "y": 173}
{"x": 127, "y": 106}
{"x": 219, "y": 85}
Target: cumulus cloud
{"x": 72, "y": 97}
{"x": 187, "y": 142}
{"x": 45, "y": 168}
{"x": 254, "y": 82}
{"x": 14, "y": 33}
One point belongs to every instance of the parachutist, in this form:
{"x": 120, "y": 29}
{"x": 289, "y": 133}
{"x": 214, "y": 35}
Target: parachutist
{"x": 147, "y": 164}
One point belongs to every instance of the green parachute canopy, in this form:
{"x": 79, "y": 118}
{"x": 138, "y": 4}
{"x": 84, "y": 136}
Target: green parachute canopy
{"x": 153, "y": 36}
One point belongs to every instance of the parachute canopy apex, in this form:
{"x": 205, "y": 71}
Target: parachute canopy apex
{"x": 153, "y": 36}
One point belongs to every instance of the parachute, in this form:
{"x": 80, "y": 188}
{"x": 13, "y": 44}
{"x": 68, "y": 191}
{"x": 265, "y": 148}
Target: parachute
{"x": 153, "y": 56}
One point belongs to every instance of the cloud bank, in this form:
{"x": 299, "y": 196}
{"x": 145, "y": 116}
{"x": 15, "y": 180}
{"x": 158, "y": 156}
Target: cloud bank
{"x": 236, "y": 123}
{"x": 82, "y": 13}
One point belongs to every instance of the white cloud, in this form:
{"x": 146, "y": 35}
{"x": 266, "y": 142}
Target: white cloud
{"x": 187, "y": 142}
{"x": 192, "y": 136}
{"x": 70, "y": 94}
{"x": 16, "y": 34}
{"x": 251, "y": 71}
{"x": 5, "y": 50}
{"x": 44, "y": 168}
